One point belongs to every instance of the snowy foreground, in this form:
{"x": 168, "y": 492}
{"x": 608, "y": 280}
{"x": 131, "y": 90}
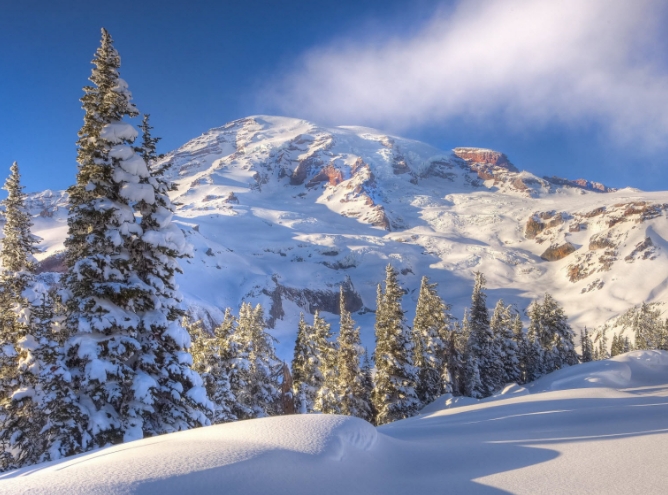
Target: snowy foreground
{"x": 600, "y": 427}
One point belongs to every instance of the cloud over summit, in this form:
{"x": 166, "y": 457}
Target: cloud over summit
{"x": 528, "y": 62}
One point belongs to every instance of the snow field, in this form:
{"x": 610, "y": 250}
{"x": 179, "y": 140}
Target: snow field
{"x": 558, "y": 435}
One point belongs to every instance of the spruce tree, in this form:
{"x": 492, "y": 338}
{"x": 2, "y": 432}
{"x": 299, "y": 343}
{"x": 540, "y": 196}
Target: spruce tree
{"x": 259, "y": 370}
{"x": 326, "y": 400}
{"x": 43, "y": 420}
{"x": 40, "y": 418}
{"x": 212, "y": 359}
{"x": 627, "y": 347}
{"x": 523, "y": 349}
{"x": 430, "y": 333}
{"x": 647, "y": 327}
{"x": 453, "y": 376}
{"x": 502, "y": 328}
{"x": 307, "y": 378}
{"x": 482, "y": 349}
{"x": 555, "y": 327}
{"x": 104, "y": 296}
{"x": 17, "y": 249}
{"x": 535, "y": 351}
{"x": 351, "y": 389}
{"x": 615, "y": 348}
{"x": 587, "y": 346}
{"x": 394, "y": 396}
{"x": 174, "y": 400}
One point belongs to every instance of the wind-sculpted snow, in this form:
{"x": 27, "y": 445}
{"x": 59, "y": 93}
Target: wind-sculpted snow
{"x": 595, "y": 428}
{"x": 279, "y": 209}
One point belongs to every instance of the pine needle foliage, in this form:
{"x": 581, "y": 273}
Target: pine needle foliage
{"x": 394, "y": 396}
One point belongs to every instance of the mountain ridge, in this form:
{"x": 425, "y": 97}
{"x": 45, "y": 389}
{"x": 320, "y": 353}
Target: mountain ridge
{"x": 282, "y": 211}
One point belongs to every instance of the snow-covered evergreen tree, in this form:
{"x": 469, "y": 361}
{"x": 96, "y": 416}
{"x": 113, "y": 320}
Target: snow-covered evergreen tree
{"x": 453, "y": 376}
{"x": 212, "y": 359}
{"x": 351, "y": 390}
{"x": 502, "y": 328}
{"x": 554, "y": 324}
{"x": 482, "y": 348}
{"x": 648, "y": 327}
{"x": 42, "y": 419}
{"x": 394, "y": 396}
{"x": 523, "y": 348}
{"x": 168, "y": 393}
{"x": 535, "y": 352}
{"x": 326, "y": 400}
{"x": 259, "y": 370}
{"x": 431, "y": 327}
{"x": 17, "y": 249}
{"x": 105, "y": 297}
{"x": 627, "y": 347}
{"x": 601, "y": 344}
{"x": 587, "y": 346}
{"x": 616, "y": 346}
{"x": 307, "y": 378}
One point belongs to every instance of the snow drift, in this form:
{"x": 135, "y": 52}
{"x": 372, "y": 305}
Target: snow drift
{"x": 601, "y": 427}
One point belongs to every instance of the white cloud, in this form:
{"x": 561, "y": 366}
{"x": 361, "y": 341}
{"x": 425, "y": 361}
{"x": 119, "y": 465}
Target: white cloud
{"x": 527, "y": 62}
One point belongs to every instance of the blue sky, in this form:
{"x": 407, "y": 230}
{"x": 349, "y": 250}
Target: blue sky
{"x": 564, "y": 87}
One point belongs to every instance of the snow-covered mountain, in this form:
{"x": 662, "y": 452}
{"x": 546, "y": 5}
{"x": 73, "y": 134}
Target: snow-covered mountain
{"x": 282, "y": 211}
{"x": 598, "y": 427}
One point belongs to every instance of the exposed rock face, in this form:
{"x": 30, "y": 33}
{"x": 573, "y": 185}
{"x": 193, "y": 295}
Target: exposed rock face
{"x": 541, "y": 221}
{"x": 580, "y": 184}
{"x": 303, "y": 170}
{"x": 231, "y": 198}
{"x": 329, "y": 174}
{"x": 54, "y": 263}
{"x": 312, "y": 300}
{"x": 484, "y": 157}
{"x": 643, "y": 250}
{"x": 557, "y": 252}
{"x": 601, "y": 241}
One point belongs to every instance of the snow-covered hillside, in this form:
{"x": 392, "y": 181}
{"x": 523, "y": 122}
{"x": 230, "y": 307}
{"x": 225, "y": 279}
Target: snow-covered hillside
{"x": 599, "y": 427}
{"x": 282, "y": 211}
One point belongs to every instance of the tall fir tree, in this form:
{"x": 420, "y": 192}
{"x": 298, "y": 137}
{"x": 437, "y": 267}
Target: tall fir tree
{"x": 555, "y": 328}
{"x": 212, "y": 359}
{"x": 647, "y": 327}
{"x": 502, "y": 328}
{"x": 431, "y": 327}
{"x": 103, "y": 294}
{"x": 394, "y": 396}
{"x": 307, "y": 377}
{"x": 39, "y": 415}
{"x": 326, "y": 400}
{"x": 482, "y": 349}
{"x": 586, "y": 346}
{"x": 351, "y": 390}
{"x": 17, "y": 249}
{"x": 523, "y": 349}
{"x": 535, "y": 351}
{"x": 259, "y": 370}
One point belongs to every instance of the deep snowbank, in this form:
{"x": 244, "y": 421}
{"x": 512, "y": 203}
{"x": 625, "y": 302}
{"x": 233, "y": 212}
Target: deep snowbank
{"x": 595, "y": 428}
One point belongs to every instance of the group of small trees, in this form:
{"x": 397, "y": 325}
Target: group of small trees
{"x": 238, "y": 365}
{"x": 414, "y": 365}
{"x": 644, "y": 322}
{"x": 103, "y": 358}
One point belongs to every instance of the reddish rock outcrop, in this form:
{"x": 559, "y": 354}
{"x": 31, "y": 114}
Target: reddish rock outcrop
{"x": 557, "y": 252}
{"x": 329, "y": 174}
{"x": 303, "y": 169}
{"x": 485, "y": 157}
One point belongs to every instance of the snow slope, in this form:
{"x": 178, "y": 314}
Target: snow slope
{"x": 600, "y": 427}
{"x": 282, "y": 211}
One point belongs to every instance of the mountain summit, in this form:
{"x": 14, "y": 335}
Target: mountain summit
{"x": 282, "y": 211}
